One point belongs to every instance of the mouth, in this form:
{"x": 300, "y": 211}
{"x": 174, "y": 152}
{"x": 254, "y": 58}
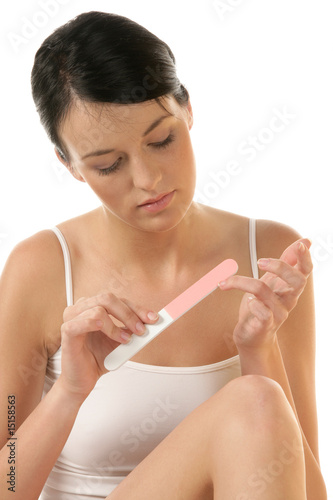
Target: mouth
{"x": 154, "y": 200}
{"x": 158, "y": 203}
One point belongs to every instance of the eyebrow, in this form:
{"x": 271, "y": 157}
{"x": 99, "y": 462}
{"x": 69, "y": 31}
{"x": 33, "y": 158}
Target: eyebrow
{"x": 155, "y": 124}
{"x": 151, "y": 127}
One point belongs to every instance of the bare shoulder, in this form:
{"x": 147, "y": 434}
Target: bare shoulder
{"x": 274, "y": 237}
{"x": 223, "y": 222}
{"x": 33, "y": 276}
{"x": 36, "y": 258}
{"x": 40, "y": 256}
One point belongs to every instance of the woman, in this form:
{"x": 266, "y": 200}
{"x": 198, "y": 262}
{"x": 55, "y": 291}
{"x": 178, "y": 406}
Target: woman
{"x": 221, "y": 405}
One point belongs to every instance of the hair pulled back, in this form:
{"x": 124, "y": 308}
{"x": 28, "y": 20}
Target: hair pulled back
{"x": 100, "y": 57}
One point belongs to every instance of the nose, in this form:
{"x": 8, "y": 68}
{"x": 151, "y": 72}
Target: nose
{"x": 146, "y": 175}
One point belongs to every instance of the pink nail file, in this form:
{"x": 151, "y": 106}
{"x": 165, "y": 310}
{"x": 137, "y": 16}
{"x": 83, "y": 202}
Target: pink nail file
{"x": 170, "y": 313}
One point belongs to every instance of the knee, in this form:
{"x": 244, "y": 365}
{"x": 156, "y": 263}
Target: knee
{"x": 256, "y": 388}
{"x": 249, "y": 389}
{"x": 257, "y": 400}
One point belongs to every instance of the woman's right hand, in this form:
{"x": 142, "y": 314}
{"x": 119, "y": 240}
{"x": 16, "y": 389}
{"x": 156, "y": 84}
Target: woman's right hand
{"x": 88, "y": 335}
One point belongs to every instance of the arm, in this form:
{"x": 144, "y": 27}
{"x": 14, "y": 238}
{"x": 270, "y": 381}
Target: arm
{"x": 38, "y": 443}
{"x": 275, "y": 337}
{"x": 296, "y": 337}
{"x": 23, "y": 359}
{"x": 29, "y": 290}
{"x": 25, "y": 295}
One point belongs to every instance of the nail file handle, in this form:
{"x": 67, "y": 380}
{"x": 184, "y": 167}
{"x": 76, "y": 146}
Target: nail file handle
{"x": 124, "y": 352}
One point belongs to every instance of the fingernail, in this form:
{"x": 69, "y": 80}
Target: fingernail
{"x": 301, "y": 247}
{"x": 140, "y": 327}
{"x": 152, "y": 316}
{"x": 222, "y": 284}
{"x": 125, "y": 336}
{"x": 263, "y": 262}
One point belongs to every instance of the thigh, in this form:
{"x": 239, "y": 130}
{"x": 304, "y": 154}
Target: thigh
{"x": 200, "y": 454}
{"x": 177, "y": 468}
{"x": 180, "y": 467}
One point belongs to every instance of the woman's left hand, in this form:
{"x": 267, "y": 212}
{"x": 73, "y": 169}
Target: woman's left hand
{"x": 269, "y": 300}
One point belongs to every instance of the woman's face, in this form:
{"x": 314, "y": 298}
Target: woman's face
{"x": 129, "y": 154}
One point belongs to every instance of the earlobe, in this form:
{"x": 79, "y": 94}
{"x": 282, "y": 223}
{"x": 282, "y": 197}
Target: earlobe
{"x": 75, "y": 174}
{"x": 72, "y": 170}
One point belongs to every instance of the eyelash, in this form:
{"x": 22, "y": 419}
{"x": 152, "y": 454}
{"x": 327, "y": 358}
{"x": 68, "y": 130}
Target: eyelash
{"x": 157, "y": 145}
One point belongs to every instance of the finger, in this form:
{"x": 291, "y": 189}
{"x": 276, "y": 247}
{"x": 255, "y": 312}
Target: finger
{"x": 293, "y": 277}
{"x": 92, "y": 320}
{"x": 291, "y": 253}
{"x": 253, "y": 286}
{"x": 106, "y": 325}
{"x": 146, "y": 315}
{"x": 260, "y": 311}
{"x": 298, "y": 256}
{"x": 133, "y": 320}
{"x": 304, "y": 261}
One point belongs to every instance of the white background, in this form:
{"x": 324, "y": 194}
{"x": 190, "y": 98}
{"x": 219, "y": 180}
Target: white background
{"x": 242, "y": 61}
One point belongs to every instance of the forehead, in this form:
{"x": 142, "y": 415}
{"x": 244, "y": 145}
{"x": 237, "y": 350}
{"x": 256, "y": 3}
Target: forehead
{"x": 90, "y": 125}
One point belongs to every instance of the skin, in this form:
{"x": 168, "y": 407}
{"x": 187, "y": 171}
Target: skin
{"x": 273, "y": 333}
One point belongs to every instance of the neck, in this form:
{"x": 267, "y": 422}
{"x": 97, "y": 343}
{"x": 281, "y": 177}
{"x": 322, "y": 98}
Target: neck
{"x": 166, "y": 253}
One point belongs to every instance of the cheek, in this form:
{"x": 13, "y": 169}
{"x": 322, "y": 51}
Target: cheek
{"x": 107, "y": 188}
{"x": 185, "y": 155}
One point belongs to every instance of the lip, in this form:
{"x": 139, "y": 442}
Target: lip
{"x": 154, "y": 200}
{"x": 158, "y": 203}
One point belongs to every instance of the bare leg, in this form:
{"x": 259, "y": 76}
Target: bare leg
{"x": 242, "y": 443}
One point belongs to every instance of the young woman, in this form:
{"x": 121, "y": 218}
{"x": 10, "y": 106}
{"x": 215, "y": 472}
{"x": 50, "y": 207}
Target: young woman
{"x": 219, "y": 406}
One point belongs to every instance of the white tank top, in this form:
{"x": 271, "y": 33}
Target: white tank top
{"x": 128, "y": 413}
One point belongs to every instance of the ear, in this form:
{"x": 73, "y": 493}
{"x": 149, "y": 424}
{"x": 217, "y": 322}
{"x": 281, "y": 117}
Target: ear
{"x": 72, "y": 170}
{"x": 190, "y": 114}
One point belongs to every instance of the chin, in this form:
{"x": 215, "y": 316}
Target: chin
{"x": 162, "y": 221}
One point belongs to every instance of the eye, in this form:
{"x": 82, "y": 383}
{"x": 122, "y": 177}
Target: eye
{"x": 164, "y": 143}
{"x": 116, "y": 165}
{"x": 109, "y": 170}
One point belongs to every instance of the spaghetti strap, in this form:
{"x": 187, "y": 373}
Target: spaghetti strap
{"x": 253, "y": 248}
{"x": 67, "y": 261}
